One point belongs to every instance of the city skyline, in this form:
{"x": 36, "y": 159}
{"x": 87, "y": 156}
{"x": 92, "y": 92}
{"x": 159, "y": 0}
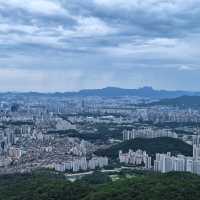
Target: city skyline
{"x": 59, "y": 45}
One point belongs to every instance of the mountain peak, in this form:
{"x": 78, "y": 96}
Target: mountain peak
{"x": 146, "y": 88}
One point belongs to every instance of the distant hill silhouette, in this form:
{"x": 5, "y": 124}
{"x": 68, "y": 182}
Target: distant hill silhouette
{"x": 146, "y": 92}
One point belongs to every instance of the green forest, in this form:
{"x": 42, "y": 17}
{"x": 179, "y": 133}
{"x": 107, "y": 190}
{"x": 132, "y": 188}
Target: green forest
{"x": 152, "y": 146}
{"x": 48, "y": 186}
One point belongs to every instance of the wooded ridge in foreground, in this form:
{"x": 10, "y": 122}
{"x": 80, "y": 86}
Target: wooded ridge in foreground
{"x": 39, "y": 186}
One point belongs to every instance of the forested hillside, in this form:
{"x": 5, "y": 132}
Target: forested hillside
{"x": 152, "y": 146}
{"x": 176, "y": 186}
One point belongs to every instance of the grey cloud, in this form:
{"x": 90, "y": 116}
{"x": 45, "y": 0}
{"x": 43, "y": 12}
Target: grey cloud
{"x": 103, "y": 37}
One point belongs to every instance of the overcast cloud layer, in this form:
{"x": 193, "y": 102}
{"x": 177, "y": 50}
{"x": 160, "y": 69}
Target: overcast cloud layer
{"x": 61, "y": 45}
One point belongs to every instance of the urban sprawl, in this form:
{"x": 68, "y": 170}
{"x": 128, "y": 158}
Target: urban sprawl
{"x": 63, "y": 133}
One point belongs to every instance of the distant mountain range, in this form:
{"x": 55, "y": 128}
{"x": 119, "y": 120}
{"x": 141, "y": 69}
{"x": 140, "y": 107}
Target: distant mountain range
{"x": 146, "y": 92}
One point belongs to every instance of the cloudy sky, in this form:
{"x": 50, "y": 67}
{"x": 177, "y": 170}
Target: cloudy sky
{"x": 65, "y": 45}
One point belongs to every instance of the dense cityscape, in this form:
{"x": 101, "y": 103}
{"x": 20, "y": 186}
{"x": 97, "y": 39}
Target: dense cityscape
{"x": 63, "y": 133}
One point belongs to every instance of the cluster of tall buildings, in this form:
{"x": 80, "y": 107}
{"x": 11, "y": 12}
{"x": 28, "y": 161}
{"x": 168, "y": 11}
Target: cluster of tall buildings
{"x": 166, "y": 162}
{"x": 81, "y": 149}
{"x": 5, "y": 161}
{"x": 12, "y": 154}
{"x": 82, "y": 164}
{"x": 7, "y": 139}
{"x": 147, "y": 133}
{"x": 162, "y": 113}
{"x": 138, "y": 157}
{"x": 15, "y": 153}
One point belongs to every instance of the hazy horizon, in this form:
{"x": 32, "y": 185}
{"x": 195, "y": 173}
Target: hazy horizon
{"x": 59, "y": 45}
{"x": 76, "y": 91}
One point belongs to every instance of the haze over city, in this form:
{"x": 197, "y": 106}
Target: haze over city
{"x": 67, "y": 45}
